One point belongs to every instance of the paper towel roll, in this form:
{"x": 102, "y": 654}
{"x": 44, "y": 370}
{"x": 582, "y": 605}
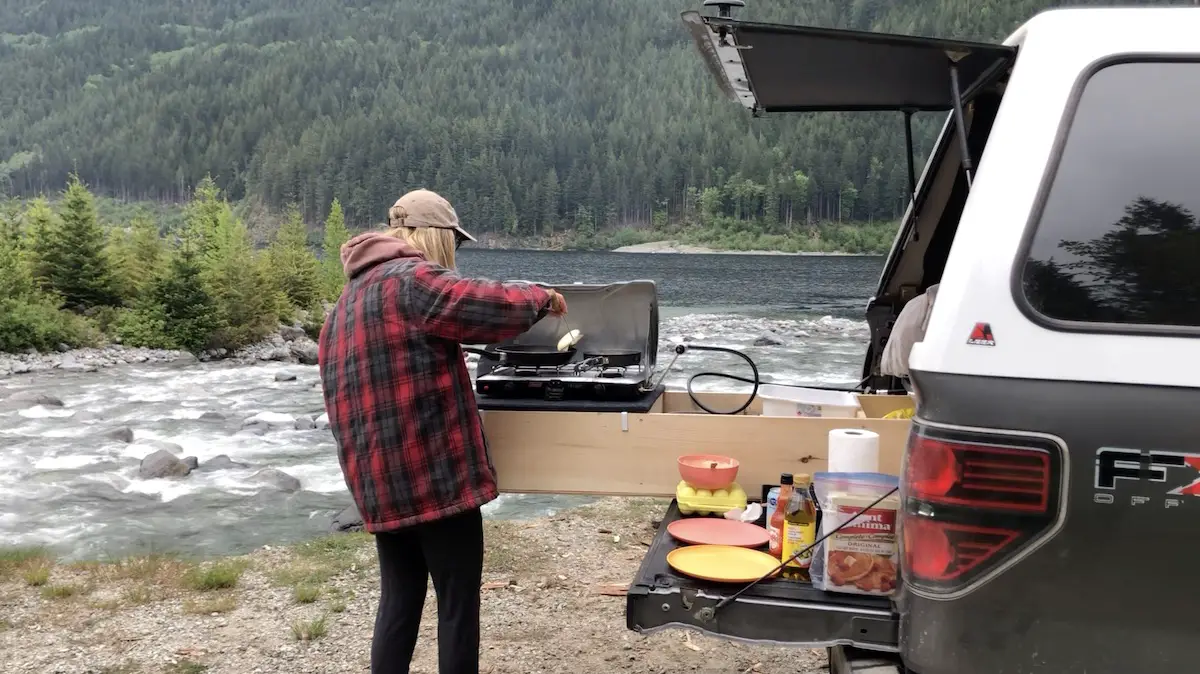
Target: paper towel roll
{"x": 853, "y": 450}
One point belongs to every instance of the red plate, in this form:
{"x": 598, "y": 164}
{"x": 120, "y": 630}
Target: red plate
{"x": 712, "y": 531}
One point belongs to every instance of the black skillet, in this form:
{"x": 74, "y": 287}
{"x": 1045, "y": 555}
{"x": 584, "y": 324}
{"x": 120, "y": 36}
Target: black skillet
{"x": 616, "y": 357}
{"x": 526, "y": 355}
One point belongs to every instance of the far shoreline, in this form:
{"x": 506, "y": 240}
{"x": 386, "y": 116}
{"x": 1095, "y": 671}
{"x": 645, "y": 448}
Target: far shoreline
{"x": 669, "y": 247}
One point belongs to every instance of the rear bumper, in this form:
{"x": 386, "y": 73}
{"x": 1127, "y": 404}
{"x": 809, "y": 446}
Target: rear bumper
{"x": 774, "y": 612}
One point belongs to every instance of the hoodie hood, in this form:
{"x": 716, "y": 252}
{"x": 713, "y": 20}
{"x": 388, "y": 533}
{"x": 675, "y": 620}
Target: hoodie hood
{"x": 371, "y": 248}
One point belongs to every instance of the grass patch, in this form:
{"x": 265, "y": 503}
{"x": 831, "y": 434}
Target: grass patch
{"x": 306, "y": 594}
{"x": 37, "y": 574}
{"x": 310, "y": 630}
{"x": 137, "y": 596}
{"x": 16, "y": 560}
{"x": 126, "y": 668}
{"x": 321, "y": 559}
{"x": 337, "y": 606}
{"x": 223, "y": 604}
{"x": 187, "y": 667}
{"x": 221, "y": 575}
{"x": 5, "y": 624}
{"x": 61, "y": 591}
{"x": 154, "y": 567}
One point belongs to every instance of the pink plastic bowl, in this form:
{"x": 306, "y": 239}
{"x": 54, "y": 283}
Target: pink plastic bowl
{"x": 708, "y": 471}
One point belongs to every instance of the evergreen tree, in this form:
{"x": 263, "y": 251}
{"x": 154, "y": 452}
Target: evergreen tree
{"x": 249, "y": 304}
{"x": 71, "y": 252}
{"x": 188, "y": 312}
{"x": 336, "y": 234}
{"x": 293, "y": 266}
{"x": 138, "y": 255}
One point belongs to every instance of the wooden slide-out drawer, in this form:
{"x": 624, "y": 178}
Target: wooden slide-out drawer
{"x": 635, "y": 454}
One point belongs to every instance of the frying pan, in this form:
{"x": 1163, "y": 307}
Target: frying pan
{"x": 526, "y": 355}
{"x": 616, "y": 357}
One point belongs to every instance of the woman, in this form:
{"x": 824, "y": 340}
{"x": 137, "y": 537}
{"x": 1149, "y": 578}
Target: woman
{"x": 403, "y": 414}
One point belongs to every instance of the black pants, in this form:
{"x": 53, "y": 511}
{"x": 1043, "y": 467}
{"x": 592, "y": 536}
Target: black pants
{"x": 451, "y": 550}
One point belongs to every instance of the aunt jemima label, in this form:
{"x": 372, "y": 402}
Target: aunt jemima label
{"x": 861, "y": 558}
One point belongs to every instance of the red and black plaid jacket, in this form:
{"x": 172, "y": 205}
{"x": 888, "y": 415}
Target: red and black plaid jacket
{"x": 399, "y": 398}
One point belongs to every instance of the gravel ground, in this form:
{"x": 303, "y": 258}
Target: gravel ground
{"x": 310, "y": 608}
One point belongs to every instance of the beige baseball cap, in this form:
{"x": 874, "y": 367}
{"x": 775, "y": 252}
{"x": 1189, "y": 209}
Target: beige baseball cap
{"x": 425, "y": 208}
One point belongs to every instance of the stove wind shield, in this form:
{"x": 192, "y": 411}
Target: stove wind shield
{"x": 612, "y": 317}
{"x": 610, "y": 369}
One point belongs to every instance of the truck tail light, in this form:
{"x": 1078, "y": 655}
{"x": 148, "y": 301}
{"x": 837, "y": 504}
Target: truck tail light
{"x": 972, "y": 501}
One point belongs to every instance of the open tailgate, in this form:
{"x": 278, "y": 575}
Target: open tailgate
{"x": 779, "y": 68}
{"x": 775, "y": 611}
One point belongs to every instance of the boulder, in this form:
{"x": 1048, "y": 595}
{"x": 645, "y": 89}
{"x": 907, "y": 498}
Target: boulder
{"x": 284, "y": 376}
{"x": 31, "y": 398}
{"x": 322, "y": 422}
{"x": 192, "y": 462}
{"x": 305, "y": 424}
{"x": 347, "y": 520}
{"x": 292, "y": 333}
{"x": 222, "y": 462}
{"x": 162, "y": 464}
{"x": 305, "y": 352}
{"x": 768, "y": 340}
{"x": 212, "y": 416}
{"x": 122, "y": 434}
{"x": 276, "y": 478}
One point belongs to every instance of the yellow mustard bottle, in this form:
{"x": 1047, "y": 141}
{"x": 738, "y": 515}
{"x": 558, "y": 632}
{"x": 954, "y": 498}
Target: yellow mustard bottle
{"x": 799, "y": 529}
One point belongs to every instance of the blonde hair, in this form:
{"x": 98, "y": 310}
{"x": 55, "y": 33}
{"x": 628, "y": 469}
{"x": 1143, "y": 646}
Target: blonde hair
{"x": 436, "y": 243}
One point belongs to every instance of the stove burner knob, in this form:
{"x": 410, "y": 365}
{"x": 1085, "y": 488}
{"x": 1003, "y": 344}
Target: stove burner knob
{"x": 599, "y": 389}
{"x": 509, "y": 386}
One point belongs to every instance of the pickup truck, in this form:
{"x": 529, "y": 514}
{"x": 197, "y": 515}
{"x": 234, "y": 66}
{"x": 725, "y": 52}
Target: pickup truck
{"x": 1055, "y": 380}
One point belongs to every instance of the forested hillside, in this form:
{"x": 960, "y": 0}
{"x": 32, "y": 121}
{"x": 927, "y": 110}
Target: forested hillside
{"x": 533, "y": 116}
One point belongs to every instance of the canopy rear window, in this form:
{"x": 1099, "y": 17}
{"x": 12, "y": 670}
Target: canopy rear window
{"x": 775, "y": 68}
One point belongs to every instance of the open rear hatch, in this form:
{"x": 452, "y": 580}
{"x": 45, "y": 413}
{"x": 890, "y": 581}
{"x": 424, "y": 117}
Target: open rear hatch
{"x": 777, "y": 68}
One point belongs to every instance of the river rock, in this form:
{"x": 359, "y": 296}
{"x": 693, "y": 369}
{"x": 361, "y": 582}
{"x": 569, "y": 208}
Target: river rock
{"x": 192, "y": 462}
{"x": 276, "y": 478}
{"x": 32, "y": 398}
{"x": 162, "y": 464}
{"x": 347, "y": 520}
{"x": 322, "y": 422}
{"x": 222, "y": 462}
{"x": 768, "y": 340}
{"x": 305, "y": 352}
{"x": 256, "y": 428}
{"x": 304, "y": 424}
{"x": 212, "y": 416}
{"x": 292, "y": 333}
{"x": 284, "y": 376}
{"x": 122, "y": 434}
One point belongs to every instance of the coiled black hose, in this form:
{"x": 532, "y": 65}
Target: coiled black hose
{"x": 720, "y": 349}
{"x": 756, "y": 380}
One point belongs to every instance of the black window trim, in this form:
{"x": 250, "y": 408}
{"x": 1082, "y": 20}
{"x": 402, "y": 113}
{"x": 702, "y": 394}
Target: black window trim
{"x": 1016, "y": 285}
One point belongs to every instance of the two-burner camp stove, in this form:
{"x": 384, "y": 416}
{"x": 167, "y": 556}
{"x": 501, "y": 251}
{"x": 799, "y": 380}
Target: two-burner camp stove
{"x": 581, "y": 380}
{"x": 617, "y": 318}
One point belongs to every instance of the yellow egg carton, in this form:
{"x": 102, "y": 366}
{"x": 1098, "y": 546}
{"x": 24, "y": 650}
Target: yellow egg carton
{"x": 705, "y": 502}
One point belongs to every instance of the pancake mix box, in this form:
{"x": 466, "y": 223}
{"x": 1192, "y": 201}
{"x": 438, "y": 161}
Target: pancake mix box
{"x": 861, "y": 558}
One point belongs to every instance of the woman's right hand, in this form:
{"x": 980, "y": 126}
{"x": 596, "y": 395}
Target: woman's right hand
{"x": 558, "y": 305}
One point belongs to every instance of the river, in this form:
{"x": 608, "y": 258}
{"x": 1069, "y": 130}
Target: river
{"x": 64, "y": 484}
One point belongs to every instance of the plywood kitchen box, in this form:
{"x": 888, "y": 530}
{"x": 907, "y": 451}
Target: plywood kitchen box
{"x": 634, "y": 454}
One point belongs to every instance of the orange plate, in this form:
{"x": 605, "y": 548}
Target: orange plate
{"x": 721, "y": 563}
{"x": 708, "y": 531}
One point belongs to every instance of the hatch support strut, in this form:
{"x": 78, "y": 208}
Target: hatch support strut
{"x": 959, "y": 125}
